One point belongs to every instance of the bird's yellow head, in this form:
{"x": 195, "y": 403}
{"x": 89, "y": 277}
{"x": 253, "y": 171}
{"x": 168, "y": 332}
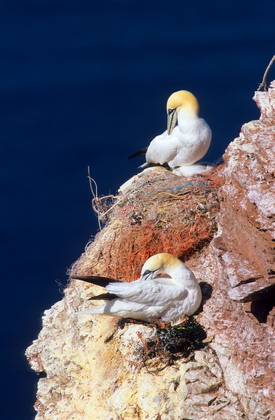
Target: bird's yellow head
{"x": 158, "y": 264}
{"x": 180, "y": 101}
{"x": 183, "y": 99}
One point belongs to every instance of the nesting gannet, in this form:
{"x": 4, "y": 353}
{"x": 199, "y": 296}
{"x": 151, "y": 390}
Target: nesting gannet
{"x": 151, "y": 298}
{"x": 180, "y": 145}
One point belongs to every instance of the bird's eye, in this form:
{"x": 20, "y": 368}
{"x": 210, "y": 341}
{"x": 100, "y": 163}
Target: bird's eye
{"x": 170, "y": 111}
{"x": 146, "y": 272}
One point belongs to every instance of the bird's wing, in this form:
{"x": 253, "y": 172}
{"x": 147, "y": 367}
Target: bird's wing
{"x": 162, "y": 148}
{"x": 147, "y": 292}
{"x": 125, "y": 290}
{"x": 163, "y": 294}
{"x": 99, "y": 281}
{"x": 141, "y": 152}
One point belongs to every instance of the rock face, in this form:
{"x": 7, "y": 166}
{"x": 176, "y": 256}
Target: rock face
{"x": 222, "y": 225}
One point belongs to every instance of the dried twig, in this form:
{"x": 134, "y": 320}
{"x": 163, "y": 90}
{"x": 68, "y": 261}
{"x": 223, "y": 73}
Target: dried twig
{"x": 91, "y": 182}
{"x": 174, "y": 195}
{"x": 102, "y": 215}
{"x": 94, "y": 191}
{"x": 263, "y": 84}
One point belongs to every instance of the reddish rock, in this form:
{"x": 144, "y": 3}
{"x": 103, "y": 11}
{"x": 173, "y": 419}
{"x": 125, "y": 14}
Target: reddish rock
{"x": 243, "y": 264}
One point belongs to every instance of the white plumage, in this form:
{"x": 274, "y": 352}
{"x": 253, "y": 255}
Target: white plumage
{"x": 151, "y": 298}
{"x": 184, "y": 144}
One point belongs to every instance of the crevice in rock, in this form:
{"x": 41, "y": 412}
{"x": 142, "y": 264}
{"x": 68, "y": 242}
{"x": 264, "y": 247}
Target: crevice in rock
{"x": 262, "y": 307}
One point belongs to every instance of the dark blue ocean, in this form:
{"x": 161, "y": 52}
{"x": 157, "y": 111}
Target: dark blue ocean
{"x": 85, "y": 83}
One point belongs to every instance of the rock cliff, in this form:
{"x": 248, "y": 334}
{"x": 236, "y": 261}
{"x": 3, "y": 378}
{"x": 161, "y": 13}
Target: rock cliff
{"x": 222, "y": 225}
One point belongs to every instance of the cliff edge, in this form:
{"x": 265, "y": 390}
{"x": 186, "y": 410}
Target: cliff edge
{"x": 222, "y": 225}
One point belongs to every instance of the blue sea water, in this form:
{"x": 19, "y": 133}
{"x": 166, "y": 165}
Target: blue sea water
{"x": 85, "y": 83}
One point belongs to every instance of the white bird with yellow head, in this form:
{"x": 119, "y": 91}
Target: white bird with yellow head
{"x": 182, "y": 144}
{"x": 153, "y": 297}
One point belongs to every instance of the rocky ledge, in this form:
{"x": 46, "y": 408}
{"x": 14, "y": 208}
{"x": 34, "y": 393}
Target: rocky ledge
{"x": 222, "y": 225}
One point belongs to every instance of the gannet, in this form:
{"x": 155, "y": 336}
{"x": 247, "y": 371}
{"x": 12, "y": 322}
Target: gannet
{"x": 180, "y": 145}
{"x": 151, "y": 298}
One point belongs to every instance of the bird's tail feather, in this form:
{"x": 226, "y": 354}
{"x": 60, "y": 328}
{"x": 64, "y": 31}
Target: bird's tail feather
{"x": 141, "y": 152}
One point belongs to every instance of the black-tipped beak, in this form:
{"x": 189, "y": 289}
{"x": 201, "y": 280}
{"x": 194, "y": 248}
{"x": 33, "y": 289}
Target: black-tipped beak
{"x": 172, "y": 118}
{"x": 147, "y": 275}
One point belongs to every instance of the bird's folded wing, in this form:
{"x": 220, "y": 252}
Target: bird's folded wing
{"x": 125, "y": 290}
{"x": 99, "y": 281}
{"x": 147, "y": 292}
{"x": 162, "y": 149}
{"x": 163, "y": 294}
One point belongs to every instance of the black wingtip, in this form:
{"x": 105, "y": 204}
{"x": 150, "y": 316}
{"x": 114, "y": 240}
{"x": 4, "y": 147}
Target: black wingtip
{"x": 99, "y": 281}
{"x": 104, "y": 296}
{"x": 141, "y": 152}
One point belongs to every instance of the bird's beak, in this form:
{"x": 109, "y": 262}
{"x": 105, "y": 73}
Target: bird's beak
{"x": 172, "y": 117}
{"x": 147, "y": 275}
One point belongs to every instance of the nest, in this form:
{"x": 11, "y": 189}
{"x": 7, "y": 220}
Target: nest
{"x": 157, "y": 212}
{"x": 170, "y": 344}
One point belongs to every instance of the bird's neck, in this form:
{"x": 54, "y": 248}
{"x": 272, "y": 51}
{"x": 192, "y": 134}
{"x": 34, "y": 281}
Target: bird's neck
{"x": 187, "y": 115}
{"x": 181, "y": 275}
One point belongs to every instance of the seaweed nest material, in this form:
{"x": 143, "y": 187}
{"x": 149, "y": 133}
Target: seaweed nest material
{"x": 156, "y": 212}
{"x": 170, "y": 344}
